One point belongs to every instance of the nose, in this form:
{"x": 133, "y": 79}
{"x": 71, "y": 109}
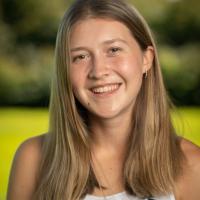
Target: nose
{"x": 99, "y": 68}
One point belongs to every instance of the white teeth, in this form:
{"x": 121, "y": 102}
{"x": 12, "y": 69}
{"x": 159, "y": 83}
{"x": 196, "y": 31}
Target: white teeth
{"x": 104, "y": 89}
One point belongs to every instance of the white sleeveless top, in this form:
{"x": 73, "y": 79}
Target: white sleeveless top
{"x": 125, "y": 196}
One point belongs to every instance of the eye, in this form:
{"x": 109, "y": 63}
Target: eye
{"x": 79, "y": 57}
{"x": 114, "y": 50}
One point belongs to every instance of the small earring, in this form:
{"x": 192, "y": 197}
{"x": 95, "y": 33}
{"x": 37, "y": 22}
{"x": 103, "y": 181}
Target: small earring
{"x": 146, "y": 73}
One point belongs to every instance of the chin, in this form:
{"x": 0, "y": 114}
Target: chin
{"x": 105, "y": 115}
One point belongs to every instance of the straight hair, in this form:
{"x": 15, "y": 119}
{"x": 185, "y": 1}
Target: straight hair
{"x": 154, "y": 158}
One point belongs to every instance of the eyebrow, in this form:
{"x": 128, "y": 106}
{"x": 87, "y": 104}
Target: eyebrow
{"x": 105, "y": 42}
{"x": 115, "y": 40}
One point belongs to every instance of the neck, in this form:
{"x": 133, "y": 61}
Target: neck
{"x": 110, "y": 134}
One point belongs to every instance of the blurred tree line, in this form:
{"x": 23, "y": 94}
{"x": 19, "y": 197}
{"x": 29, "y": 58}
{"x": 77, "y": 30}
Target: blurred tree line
{"x": 27, "y": 39}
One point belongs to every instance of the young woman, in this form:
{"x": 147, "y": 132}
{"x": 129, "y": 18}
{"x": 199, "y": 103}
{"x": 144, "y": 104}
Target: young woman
{"x": 110, "y": 135}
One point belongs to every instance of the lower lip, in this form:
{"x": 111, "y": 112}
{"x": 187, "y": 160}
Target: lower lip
{"x": 106, "y": 94}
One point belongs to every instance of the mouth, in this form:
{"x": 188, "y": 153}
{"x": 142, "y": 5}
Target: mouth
{"x": 105, "y": 89}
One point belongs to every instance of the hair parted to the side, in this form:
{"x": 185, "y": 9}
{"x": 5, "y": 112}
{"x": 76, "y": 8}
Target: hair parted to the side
{"x": 154, "y": 159}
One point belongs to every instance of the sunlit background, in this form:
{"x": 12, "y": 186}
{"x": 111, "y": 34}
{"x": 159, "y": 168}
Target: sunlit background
{"x": 27, "y": 40}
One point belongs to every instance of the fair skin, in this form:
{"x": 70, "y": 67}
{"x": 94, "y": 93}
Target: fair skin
{"x": 110, "y": 55}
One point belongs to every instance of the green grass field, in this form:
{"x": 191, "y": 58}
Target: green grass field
{"x": 18, "y": 124}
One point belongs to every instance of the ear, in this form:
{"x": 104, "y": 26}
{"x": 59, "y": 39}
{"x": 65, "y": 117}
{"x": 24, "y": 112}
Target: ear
{"x": 148, "y": 56}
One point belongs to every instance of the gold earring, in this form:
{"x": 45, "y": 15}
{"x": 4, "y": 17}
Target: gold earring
{"x": 146, "y": 73}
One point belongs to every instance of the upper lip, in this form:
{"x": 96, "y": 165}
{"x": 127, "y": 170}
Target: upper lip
{"x": 103, "y": 85}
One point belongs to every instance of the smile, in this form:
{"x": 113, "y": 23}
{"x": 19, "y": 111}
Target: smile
{"x": 106, "y": 89}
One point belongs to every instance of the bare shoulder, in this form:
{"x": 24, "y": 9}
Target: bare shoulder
{"x": 191, "y": 152}
{"x": 188, "y": 186}
{"x": 24, "y": 169}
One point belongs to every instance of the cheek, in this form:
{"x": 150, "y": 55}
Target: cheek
{"x": 131, "y": 71}
{"x": 130, "y": 66}
{"x": 76, "y": 81}
{"x": 76, "y": 76}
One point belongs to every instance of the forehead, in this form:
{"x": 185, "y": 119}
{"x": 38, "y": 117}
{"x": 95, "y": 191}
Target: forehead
{"x": 98, "y": 29}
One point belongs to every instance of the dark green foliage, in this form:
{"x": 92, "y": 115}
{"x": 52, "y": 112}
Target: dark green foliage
{"x": 27, "y": 38}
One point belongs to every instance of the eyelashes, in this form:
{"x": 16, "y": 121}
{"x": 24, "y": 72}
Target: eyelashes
{"x": 113, "y": 51}
{"x": 79, "y": 57}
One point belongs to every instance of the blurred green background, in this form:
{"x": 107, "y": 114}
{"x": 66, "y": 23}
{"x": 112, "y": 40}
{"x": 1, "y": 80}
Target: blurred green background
{"x": 27, "y": 40}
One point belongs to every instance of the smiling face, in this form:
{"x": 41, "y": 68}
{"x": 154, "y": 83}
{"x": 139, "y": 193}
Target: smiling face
{"x": 107, "y": 66}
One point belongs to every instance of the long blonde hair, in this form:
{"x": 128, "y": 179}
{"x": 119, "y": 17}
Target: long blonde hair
{"x": 154, "y": 158}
